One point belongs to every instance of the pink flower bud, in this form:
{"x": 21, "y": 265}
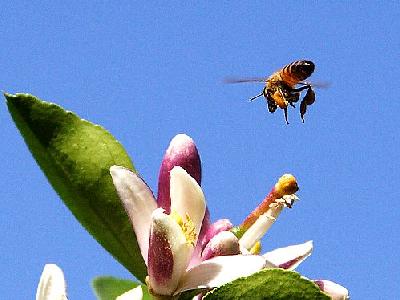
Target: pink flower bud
{"x": 224, "y": 243}
{"x": 215, "y": 228}
{"x": 181, "y": 152}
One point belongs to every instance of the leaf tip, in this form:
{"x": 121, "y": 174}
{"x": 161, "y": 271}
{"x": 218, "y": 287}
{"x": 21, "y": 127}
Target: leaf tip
{"x": 7, "y": 95}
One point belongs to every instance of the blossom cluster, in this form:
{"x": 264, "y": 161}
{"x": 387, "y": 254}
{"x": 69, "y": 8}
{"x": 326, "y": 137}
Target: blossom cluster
{"x": 181, "y": 248}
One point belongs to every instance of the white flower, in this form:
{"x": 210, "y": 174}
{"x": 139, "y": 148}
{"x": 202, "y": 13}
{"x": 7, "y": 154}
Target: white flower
{"x": 167, "y": 241}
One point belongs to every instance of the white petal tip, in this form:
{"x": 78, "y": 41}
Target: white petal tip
{"x": 334, "y": 290}
{"x": 138, "y": 201}
{"x": 177, "y": 170}
{"x": 116, "y": 171}
{"x": 52, "y": 284}
{"x": 290, "y": 257}
{"x": 180, "y": 141}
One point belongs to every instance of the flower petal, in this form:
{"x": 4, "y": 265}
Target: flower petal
{"x": 334, "y": 290}
{"x": 169, "y": 253}
{"x": 52, "y": 284}
{"x": 290, "y": 257}
{"x": 220, "y": 270}
{"x": 133, "y": 294}
{"x": 181, "y": 152}
{"x": 138, "y": 201}
{"x": 187, "y": 198}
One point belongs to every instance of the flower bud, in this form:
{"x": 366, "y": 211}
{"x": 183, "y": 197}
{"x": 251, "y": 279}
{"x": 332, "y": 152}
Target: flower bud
{"x": 181, "y": 152}
{"x": 224, "y": 243}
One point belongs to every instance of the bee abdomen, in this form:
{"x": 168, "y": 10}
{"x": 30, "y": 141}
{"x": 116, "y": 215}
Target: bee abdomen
{"x": 297, "y": 71}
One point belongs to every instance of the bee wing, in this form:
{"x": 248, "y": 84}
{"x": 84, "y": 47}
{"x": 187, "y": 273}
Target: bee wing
{"x": 243, "y": 80}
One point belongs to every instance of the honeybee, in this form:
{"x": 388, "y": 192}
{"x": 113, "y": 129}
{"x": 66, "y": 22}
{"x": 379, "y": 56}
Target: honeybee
{"x": 284, "y": 87}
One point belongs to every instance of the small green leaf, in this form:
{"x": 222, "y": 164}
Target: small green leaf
{"x": 271, "y": 284}
{"x": 109, "y": 288}
{"x": 76, "y": 155}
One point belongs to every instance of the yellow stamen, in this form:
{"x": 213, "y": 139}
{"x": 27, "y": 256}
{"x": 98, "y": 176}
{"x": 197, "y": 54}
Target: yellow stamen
{"x": 187, "y": 227}
{"x": 256, "y": 249}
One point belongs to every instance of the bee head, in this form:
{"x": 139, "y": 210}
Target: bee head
{"x": 308, "y": 66}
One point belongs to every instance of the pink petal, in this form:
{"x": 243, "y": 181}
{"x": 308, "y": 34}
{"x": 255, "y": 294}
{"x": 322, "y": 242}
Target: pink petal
{"x": 169, "y": 253}
{"x": 181, "y": 152}
{"x": 138, "y": 201}
{"x": 290, "y": 257}
{"x": 220, "y": 270}
{"x": 334, "y": 290}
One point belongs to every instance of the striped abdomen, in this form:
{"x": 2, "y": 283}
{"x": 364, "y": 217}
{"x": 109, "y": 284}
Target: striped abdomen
{"x": 296, "y": 71}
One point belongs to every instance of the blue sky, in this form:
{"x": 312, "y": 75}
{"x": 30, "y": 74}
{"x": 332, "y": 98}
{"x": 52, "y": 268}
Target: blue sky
{"x": 149, "y": 71}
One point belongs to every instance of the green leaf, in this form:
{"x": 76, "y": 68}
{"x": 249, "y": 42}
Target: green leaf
{"x": 109, "y": 288}
{"x": 76, "y": 155}
{"x": 188, "y": 295}
{"x": 271, "y": 284}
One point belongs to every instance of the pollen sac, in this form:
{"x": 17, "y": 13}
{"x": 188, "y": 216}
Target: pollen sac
{"x": 286, "y": 185}
{"x": 309, "y": 98}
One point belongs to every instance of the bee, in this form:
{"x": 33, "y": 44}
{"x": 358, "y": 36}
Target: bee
{"x": 284, "y": 87}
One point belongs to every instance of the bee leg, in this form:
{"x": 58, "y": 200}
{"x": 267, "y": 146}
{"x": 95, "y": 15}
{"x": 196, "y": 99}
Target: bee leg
{"x": 255, "y": 97}
{"x": 286, "y": 118}
{"x": 303, "y": 109}
{"x": 302, "y": 88}
{"x": 292, "y": 98}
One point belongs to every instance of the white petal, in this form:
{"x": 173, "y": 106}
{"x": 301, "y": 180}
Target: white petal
{"x": 187, "y": 197}
{"x": 138, "y": 201}
{"x": 133, "y": 294}
{"x": 52, "y": 284}
{"x": 334, "y": 290}
{"x": 290, "y": 257}
{"x": 220, "y": 270}
{"x": 163, "y": 280}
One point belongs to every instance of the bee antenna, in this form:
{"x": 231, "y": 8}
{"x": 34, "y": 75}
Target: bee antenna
{"x": 255, "y": 97}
